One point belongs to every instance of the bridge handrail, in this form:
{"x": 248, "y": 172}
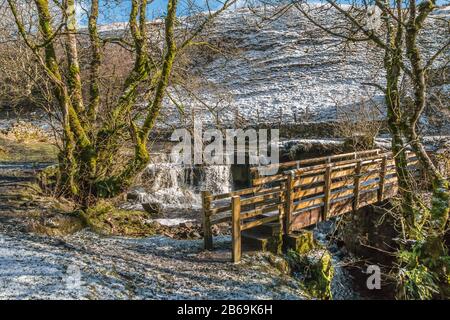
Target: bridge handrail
{"x": 298, "y": 163}
{"x": 306, "y": 195}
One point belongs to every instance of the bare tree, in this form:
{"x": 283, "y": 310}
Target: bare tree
{"x": 92, "y": 134}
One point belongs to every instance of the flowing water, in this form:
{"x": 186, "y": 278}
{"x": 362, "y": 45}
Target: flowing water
{"x": 175, "y": 186}
{"x": 217, "y": 179}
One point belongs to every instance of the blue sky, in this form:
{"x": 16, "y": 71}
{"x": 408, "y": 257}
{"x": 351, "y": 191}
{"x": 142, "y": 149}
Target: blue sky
{"x": 119, "y": 10}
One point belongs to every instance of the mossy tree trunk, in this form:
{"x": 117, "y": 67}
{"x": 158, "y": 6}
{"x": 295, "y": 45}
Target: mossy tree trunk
{"x": 90, "y": 142}
{"x": 86, "y": 150}
{"x": 392, "y": 66}
{"x": 432, "y": 251}
{"x": 440, "y": 203}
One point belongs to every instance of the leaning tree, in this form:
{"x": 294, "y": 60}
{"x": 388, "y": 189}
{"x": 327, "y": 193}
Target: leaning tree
{"x": 95, "y": 125}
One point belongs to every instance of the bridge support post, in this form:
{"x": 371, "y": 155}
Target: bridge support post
{"x": 236, "y": 228}
{"x": 207, "y": 232}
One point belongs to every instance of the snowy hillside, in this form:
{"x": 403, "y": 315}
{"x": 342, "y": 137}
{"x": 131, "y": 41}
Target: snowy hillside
{"x": 284, "y": 69}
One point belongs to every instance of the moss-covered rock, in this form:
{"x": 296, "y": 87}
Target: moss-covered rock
{"x": 315, "y": 271}
{"x": 56, "y": 225}
{"x": 279, "y": 263}
{"x": 152, "y": 208}
{"x": 106, "y": 219}
{"x": 301, "y": 242}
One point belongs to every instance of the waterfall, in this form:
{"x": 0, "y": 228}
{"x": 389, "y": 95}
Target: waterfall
{"x": 217, "y": 178}
{"x": 165, "y": 184}
{"x": 175, "y": 186}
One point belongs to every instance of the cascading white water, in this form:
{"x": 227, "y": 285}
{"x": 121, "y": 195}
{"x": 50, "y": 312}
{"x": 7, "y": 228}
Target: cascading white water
{"x": 217, "y": 178}
{"x": 165, "y": 184}
{"x": 174, "y": 186}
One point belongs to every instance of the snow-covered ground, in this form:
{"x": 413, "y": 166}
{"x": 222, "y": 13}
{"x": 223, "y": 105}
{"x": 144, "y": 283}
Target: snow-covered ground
{"x": 87, "y": 266}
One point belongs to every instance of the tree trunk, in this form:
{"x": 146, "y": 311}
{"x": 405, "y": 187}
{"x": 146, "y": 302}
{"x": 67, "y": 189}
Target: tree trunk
{"x": 440, "y": 203}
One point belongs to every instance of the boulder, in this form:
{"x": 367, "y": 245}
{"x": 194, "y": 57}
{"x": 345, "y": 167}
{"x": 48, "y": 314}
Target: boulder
{"x": 301, "y": 242}
{"x": 315, "y": 269}
{"x": 279, "y": 263}
{"x": 154, "y": 209}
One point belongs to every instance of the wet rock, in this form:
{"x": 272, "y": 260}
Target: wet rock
{"x": 131, "y": 196}
{"x": 215, "y": 230}
{"x": 195, "y": 235}
{"x": 154, "y": 209}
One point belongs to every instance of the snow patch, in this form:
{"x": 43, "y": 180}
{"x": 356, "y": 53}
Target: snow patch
{"x": 173, "y": 222}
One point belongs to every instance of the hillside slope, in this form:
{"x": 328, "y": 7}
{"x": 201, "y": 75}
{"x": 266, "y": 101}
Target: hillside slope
{"x": 285, "y": 70}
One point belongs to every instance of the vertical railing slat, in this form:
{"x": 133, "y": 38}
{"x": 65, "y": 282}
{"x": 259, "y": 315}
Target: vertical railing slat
{"x": 356, "y": 186}
{"x": 282, "y": 209}
{"x": 382, "y": 179}
{"x": 289, "y": 202}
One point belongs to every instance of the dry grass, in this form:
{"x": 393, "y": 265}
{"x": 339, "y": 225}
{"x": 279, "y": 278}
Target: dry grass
{"x": 36, "y": 151}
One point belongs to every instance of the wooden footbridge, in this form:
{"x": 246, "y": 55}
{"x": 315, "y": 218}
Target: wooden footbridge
{"x": 302, "y": 194}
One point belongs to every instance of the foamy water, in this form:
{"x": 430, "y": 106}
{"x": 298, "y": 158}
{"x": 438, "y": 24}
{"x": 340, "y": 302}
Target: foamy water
{"x": 175, "y": 186}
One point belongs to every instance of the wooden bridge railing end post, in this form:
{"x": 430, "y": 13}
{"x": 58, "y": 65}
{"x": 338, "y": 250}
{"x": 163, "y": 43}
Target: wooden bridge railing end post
{"x": 236, "y": 228}
{"x": 207, "y": 232}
